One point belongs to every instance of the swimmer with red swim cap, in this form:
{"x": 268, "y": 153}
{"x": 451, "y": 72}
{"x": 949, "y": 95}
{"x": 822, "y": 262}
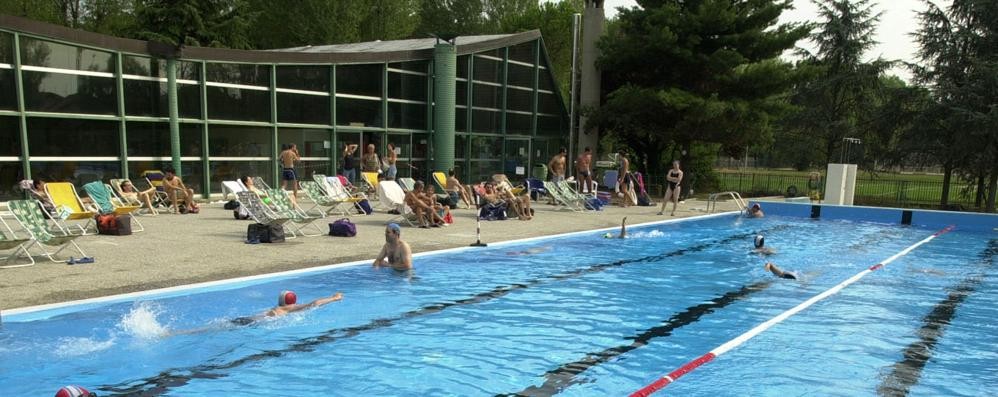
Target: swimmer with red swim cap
{"x": 74, "y": 391}
{"x": 286, "y": 303}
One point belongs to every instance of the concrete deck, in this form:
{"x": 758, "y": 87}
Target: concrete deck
{"x": 183, "y": 249}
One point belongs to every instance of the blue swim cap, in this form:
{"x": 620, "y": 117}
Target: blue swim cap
{"x": 395, "y": 228}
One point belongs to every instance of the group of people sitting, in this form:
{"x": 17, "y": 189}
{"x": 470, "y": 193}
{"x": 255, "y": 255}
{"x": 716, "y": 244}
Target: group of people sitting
{"x": 173, "y": 186}
{"x": 422, "y": 199}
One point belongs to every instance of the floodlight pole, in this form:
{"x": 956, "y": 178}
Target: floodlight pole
{"x": 576, "y": 20}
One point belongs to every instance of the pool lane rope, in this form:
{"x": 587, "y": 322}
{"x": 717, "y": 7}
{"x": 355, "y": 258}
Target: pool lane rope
{"x": 731, "y": 344}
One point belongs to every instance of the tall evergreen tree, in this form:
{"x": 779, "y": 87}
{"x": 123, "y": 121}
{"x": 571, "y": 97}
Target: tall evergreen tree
{"x": 206, "y": 23}
{"x": 840, "y": 100}
{"x": 390, "y": 19}
{"x": 958, "y": 48}
{"x": 681, "y": 72}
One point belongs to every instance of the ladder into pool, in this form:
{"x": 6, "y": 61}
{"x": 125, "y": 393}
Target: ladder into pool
{"x": 712, "y": 201}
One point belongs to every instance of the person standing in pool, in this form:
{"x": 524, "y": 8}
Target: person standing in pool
{"x": 755, "y": 211}
{"x": 779, "y": 272}
{"x": 395, "y": 253}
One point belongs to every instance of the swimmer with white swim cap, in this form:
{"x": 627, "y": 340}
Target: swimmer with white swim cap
{"x": 623, "y": 230}
{"x": 760, "y": 246}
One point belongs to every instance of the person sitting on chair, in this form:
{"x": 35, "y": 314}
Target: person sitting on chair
{"x": 443, "y": 211}
{"x": 129, "y": 193}
{"x": 174, "y": 187}
{"x": 425, "y": 214}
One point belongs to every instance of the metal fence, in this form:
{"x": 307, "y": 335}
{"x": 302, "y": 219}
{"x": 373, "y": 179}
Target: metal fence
{"x": 869, "y": 191}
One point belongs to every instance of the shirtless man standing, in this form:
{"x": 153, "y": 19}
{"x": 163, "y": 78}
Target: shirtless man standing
{"x": 557, "y": 166}
{"x": 583, "y": 166}
{"x": 396, "y": 253}
{"x": 288, "y": 158}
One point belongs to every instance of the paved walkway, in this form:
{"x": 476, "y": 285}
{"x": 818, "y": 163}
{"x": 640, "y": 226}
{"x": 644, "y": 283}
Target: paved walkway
{"x": 183, "y": 249}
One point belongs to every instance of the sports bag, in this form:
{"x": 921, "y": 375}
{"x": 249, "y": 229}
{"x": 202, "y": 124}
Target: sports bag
{"x": 342, "y": 228}
{"x": 364, "y": 206}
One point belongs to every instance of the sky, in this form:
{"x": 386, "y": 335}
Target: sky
{"x": 897, "y": 23}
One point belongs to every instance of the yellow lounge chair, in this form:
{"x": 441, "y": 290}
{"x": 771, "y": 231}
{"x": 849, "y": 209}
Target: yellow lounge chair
{"x": 441, "y": 179}
{"x": 63, "y": 194}
{"x": 371, "y": 181}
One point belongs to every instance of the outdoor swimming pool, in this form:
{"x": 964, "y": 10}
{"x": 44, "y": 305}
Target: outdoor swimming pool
{"x": 577, "y": 315}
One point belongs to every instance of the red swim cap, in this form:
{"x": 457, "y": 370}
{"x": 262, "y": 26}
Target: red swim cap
{"x": 287, "y": 298}
{"x": 73, "y": 391}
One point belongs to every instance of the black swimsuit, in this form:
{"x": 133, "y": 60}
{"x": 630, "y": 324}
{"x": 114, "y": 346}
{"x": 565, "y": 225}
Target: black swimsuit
{"x": 672, "y": 185}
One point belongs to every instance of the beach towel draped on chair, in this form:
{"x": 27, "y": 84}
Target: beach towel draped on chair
{"x": 392, "y": 195}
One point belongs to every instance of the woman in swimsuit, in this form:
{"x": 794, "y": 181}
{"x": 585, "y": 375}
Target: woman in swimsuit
{"x": 674, "y": 178}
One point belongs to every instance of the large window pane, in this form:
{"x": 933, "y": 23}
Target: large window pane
{"x": 551, "y": 126}
{"x": 407, "y": 115}
{"x": 77, "y": 172}
{"x": 517, "y": 157}
{"x": 461, "y": 96}
{"x": 300, "y": 108}
{"x": 482, "y": 171}
{"x": 460, "y": 147}
{"x": 239, "y": 141}
{"x": 309, "y": 78}
{"x": 226, "y": 103}
{"x": 67, "y": 93}
{"x": 10, "y": 174}
{"x": 488, "y": 70}
{"x": 152, "y": 139}
{"x": 522, "y": 52}
{"x": 544, "y": 81}
{"x": 359, "y": 79}
{"x": 358, "y": 112}
{"x": 306, "y": 168}
{"x": 461, "y": 119}
{"x": 486, "y": 96}
{"x": 518, "y": 123}
{"x": 548, "y": 103}
{"x": 10, "y": 136}
{"x": 36, "y": 52}
{"x": 522, "y": 76}
{"x": 462, "y": 66}
{"x": 520, "y": 100}
{"x": 71, "y": 137}
{"x": 233, "y": 170}
{"x": 8, "y": 95}
{"x": 311, "y": 142}
{"x": 407, "y": 86}
{"x": 149, "y": 98}
{"x": 485, "y": 121}
{"x": 486, "y": 148}
{"x": 415, "y": 66}
{"x": 238, "y": 73}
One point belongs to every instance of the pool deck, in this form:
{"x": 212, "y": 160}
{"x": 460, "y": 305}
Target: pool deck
{"x": 184, "y": 249}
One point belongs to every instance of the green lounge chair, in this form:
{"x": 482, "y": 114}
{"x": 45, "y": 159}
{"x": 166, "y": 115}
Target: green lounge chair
{"x": 29, "y": 215}
{"x": 285, "y": 207}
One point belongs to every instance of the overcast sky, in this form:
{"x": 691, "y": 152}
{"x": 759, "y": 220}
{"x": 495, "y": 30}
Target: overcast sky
{"x": 897, "y": 22}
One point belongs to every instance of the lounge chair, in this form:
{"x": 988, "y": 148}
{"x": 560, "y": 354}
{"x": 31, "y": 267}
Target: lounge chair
{"x": 285, "y": 207}
{"x": 63, "y": 194}
{"x": 159, "y": 197}
{"x": 233, "y": 187}
{"x": 29, "y": 214}
{"x": 536, "y": 187}
{"x": 392, "y": 195}
{"x": 10, "y": 241}
{"x": 258, "y": 210}
{"x": 320, "y": 199}
{"x": 155, "y": 179}
{"x": 335, "y": 190}
{"x": 370, "y": 181}
{"x": 103, "y": 196}
{"x": 441, "y": 180}
{"x": 562, "y": 200}
{"x": 407, "y": 184}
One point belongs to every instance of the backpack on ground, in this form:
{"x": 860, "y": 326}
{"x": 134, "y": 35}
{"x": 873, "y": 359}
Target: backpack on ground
{"x": 342, "y": 228}
{"x": 231, "y": 205}
{"x": 265, "y": 233}
{"x": 364, "y": 206}
{"x": 112, "y": 225}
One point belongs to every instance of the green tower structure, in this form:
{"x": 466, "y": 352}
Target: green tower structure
{"x": 444, "y": 98}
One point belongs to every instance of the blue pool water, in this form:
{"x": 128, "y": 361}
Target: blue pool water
{"x": 577, "y": 315}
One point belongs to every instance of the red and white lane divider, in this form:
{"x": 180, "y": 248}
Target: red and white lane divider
{"x": 692, "y": 365}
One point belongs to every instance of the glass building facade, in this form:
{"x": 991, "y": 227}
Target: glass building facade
{"x": 77, "y": 106}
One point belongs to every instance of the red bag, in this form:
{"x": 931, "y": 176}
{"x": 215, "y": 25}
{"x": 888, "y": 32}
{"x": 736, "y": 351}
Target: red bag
{"x": 448, "y": 218}
{"x": 107, "y": 224}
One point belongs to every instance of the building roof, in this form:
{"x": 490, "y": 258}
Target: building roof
{"x": 369, "y": 52}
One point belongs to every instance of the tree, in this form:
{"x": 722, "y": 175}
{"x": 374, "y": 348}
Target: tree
{"x": 309, "y": 22}
{"x": 958, "y": 49}
{"x": 680, "y": 73}
{"x": 390, "y": 19}
{"x": 206, "y": 23}
{"x": 839, "y": 99}
{"x": 460, "y": 17}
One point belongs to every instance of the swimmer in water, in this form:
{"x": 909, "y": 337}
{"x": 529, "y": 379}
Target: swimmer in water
{"x": 531, "y": 251}
{"x": 780, "y": 273}
{"x": 285, "y": 305}
{"x": 760, "y": 246}
{"x": 623, "y": 230}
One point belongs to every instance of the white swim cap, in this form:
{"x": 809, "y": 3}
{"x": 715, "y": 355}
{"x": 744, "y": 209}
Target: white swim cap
{"x": 759, "y": 241}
